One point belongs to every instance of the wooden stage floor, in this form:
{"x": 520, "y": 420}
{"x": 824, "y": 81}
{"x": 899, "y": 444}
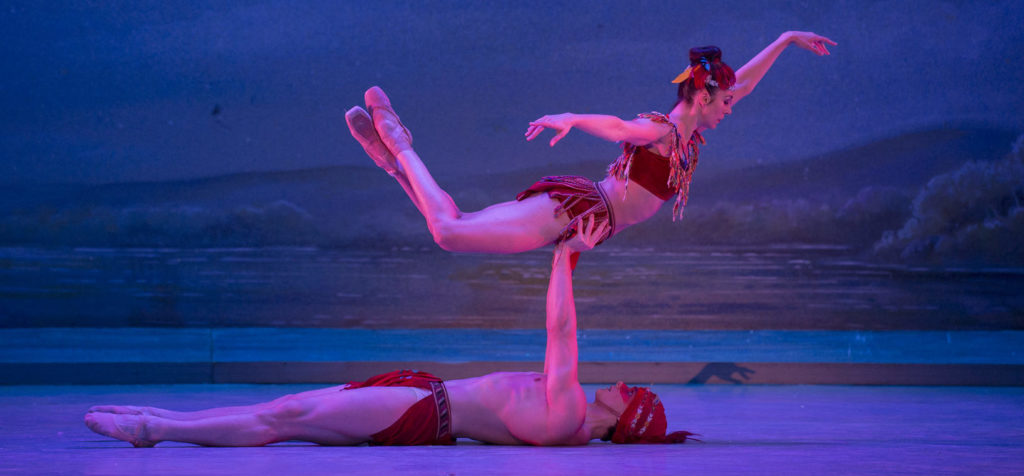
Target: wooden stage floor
{"x": 763, "y": 429}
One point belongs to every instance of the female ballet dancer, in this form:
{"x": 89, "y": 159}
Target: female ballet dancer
{"x": 657, "y": 163}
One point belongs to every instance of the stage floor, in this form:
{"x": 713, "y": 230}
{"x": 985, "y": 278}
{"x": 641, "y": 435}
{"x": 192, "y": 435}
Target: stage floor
{"x": 746, "y": 430}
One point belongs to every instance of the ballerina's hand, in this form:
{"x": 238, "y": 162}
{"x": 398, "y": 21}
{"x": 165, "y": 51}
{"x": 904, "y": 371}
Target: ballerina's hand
{"x": 811, "y": 41}
{"x": 562, "y": 123}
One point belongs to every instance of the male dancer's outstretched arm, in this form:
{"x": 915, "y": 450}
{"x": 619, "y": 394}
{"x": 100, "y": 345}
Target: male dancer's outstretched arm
{"x": 561, "y": 420}
{"x": 561, "y": 359}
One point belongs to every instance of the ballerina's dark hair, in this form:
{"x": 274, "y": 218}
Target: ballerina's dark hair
{"x": 707, "y": 72}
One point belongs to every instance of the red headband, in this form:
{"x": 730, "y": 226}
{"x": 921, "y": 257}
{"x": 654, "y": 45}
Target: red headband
{"x": 644, "y": 421}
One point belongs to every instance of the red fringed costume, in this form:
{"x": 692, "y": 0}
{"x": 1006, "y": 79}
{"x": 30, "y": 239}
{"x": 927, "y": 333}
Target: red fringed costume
{"x": 578, "y": 198}
{"x": 664, "y": 177}
{"x": 644, "y": 167}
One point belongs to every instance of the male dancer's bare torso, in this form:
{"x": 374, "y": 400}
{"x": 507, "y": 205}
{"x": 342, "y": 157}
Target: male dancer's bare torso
{"x": 506, "y": 408}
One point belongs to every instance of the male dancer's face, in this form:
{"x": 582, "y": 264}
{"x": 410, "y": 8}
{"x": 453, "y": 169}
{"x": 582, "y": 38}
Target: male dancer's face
{"x": 615, "y": 398}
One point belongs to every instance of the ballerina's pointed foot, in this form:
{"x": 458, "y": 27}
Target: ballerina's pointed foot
{"x": 392, "y": 132}
{"x": 361, "y": 126}
{"x": 130, "y": 428}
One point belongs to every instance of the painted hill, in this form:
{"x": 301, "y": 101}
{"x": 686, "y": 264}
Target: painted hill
{"x": 302, "y": 207}
{"x": 904, "y": 162}
{"x": 363, "y": 206}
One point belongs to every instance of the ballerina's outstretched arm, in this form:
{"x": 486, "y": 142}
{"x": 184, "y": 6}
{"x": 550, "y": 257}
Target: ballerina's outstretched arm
{"x": 638, "y": 131}
{"x": 751, "y": 73}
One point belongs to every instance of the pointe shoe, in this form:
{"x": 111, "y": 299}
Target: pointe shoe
{"x": 361, "y": 126}
{"x": 389, "y": 127}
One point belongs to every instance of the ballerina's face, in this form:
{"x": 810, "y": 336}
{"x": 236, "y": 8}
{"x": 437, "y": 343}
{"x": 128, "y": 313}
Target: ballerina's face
{"x": 719, "y": 106}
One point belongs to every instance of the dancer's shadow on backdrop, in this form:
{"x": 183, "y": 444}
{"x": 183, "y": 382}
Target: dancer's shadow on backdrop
{"x": 726, "y": 371}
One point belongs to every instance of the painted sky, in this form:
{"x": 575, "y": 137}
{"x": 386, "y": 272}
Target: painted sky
{"x": 123, "y": 91}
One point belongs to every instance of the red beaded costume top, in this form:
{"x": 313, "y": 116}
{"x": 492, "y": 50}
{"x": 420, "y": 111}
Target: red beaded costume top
{"x": 660, "y": 175}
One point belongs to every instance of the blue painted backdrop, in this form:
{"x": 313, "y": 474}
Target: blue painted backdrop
{"x": 175, "y": 126}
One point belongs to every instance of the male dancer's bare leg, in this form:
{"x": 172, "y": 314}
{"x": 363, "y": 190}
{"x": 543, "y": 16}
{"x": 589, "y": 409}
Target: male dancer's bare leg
{"x": 508, "y": 227}
{"x": 211, "y": 412}
{"x": 334, "y": 418}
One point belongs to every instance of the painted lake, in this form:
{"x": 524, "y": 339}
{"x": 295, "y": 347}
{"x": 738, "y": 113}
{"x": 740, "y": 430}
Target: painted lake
{"x": 724, "y": 288}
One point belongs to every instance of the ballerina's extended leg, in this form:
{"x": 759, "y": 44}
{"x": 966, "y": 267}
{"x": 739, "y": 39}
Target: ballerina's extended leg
{"x": 360, "y": 124}
{"x": 508, "y": 227}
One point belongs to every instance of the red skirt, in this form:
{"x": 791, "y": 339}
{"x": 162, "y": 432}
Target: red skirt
{"x": 578, "y": 198}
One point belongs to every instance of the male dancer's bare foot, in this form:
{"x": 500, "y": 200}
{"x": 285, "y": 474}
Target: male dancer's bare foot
{"x": 134, "y": 410}
{"x": 361, "y": 126}
{"x": 130, "y": 428}
{"x": 390, "y": 128}
{"x": 120, "y": 409}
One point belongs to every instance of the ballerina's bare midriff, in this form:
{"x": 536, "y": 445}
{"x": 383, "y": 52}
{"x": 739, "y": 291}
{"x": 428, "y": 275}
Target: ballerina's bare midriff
{"x": 630, "y": 203}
